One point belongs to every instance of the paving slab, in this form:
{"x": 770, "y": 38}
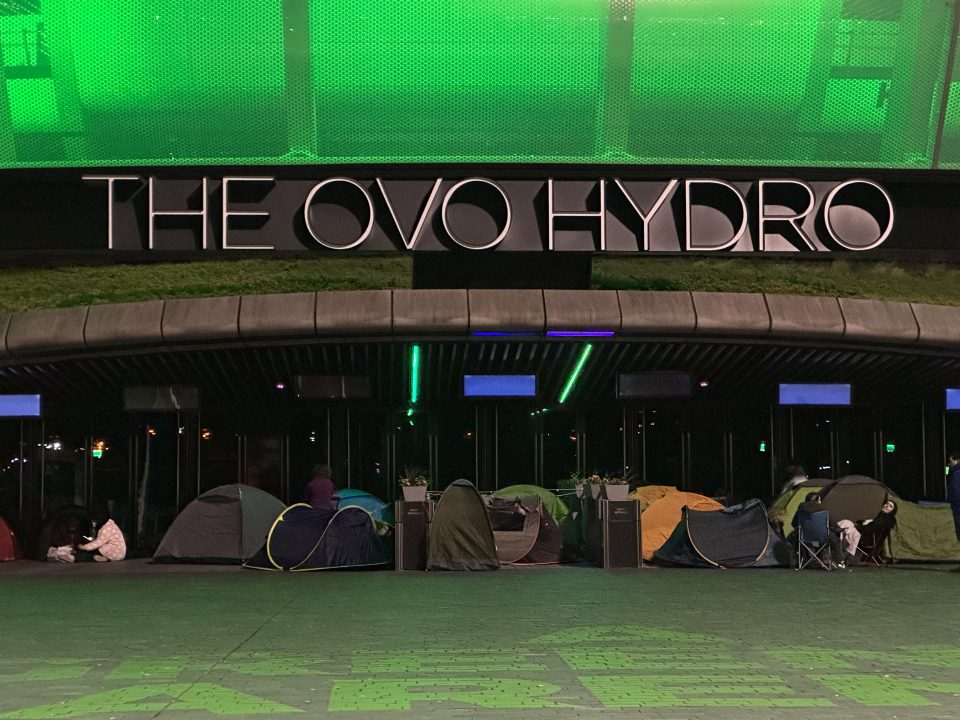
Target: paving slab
{"x": 178, "y": 642}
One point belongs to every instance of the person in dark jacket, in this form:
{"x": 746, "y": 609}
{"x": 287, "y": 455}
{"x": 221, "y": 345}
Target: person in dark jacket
{"x": 953, "y": 492}
{"x": 813, "y": 503}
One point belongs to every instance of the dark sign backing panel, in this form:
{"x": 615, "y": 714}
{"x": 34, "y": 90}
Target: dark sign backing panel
{"x": 654, "y": 385}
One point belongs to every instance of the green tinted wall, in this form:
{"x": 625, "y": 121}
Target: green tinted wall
{"x": 841, "y": 83}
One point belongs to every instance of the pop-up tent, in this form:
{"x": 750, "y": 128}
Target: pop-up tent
{"x": 855, "y": 497}
{"x": 352, "y": 497}
{"x": 661, "y": 516}
{"x": 557, "y": 508}
{"x": 524, "y": 532}
{"x": 460, "y": 534}
{"x": 924, "y": 532}
{"x": 9, "y": 547}
{"x": 223, "y": 526}
{"x": 735, "y": 537}
{"x": 310, "y": 538}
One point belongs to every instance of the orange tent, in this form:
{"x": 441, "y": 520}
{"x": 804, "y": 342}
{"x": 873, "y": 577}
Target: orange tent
{"x": 661, "y": 517}
{"x": 647, "y": 494}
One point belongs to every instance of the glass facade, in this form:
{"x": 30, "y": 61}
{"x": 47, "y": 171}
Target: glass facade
{"x": 821, "y": 83}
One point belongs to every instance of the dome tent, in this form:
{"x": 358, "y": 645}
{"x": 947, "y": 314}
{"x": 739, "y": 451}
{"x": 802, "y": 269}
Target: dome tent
{"x": 224, "y": 526}
{"x": 9, "y": 547}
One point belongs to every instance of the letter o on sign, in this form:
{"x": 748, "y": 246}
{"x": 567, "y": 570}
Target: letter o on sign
{"x": 476, "y": 213}
{"x": 858, "y": 215}
{"x": 347, "y": 199}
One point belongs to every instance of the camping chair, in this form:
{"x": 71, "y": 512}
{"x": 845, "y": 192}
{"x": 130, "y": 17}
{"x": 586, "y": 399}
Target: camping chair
{"x": 813, "y": 540}
{"x": 872, "y": 546}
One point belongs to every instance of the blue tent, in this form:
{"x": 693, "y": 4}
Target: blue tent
{"x": 352, "y": 497}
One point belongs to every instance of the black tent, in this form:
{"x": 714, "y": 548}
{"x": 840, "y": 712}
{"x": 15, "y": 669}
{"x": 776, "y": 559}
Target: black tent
{"x": 855, "y": 497}
{"x": 225, "y": 526}
{"x": 460, "y": 535}
{"x": 735, "y": 537}
{"x": 310, "y": 538}
{"x": 524, "y": 532}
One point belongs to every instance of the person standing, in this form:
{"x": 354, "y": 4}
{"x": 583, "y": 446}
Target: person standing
{"x": 953, "y": 492}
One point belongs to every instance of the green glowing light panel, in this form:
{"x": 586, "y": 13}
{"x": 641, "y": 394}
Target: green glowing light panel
{"x": 823, "y": 83}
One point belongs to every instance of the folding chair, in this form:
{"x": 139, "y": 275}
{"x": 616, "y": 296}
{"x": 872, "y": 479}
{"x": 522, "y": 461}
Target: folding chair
{"x": 813, "y": 540}
{"x": 872, "y": 546}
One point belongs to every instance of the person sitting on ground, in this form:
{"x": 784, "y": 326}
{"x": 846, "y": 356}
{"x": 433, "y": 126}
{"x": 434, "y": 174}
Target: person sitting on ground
{"x": 64, "y": 540}
{"x": 108, "y": 544}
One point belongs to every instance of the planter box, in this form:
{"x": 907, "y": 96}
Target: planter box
{"x": 414, "y": 493}
{"x": 616, "y": 492}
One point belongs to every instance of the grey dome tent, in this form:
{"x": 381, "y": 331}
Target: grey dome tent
{"x": 855, "y": 497}
{"x": 312, "y": 538}
{"x": 224, "y": 526}
{"x": 524, "y": 532}
{"x": 460, "y": 534}
{"x": 735, "y": 537}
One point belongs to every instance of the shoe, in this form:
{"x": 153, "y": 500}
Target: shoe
{"x": 841, "y": 565}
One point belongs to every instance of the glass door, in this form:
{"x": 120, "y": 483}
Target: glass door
{"x": 163, "y": 465}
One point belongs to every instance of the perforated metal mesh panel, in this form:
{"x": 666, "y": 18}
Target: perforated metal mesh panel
{"x": 833, "y": 83}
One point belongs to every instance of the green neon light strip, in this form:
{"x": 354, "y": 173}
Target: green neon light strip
{"x": 572, "y": 380}
{"x": 414, "y": 374}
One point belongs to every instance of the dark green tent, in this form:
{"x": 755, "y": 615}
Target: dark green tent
{"x": 460, "y": 534}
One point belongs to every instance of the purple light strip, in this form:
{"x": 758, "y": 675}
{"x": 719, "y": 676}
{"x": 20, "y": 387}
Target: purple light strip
{"x": 580, "y": 333}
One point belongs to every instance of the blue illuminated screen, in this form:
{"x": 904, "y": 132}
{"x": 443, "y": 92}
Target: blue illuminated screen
{"x": 499, "y": 385}
{"x": 814, "y": 394}
{"x": 953, "y": 398}
{"x": 19, "y": 406}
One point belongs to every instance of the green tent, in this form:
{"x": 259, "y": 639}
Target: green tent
{"x": 460, "y": 534}
{"x": 924, "y": 532}
{"x": 790, "y": 499}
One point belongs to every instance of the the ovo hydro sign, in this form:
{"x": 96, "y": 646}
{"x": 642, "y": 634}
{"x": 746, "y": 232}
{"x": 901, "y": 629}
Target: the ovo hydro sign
{"x": 344, "y": 213}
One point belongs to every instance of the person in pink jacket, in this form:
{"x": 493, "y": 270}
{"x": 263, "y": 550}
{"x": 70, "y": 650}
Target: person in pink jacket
{"x": 108, "y": 544}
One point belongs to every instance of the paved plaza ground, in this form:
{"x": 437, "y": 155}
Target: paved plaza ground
{"x": 136, "y": 640}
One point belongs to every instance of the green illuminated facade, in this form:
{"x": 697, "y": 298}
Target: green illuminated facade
{"x": 819, "y": 83}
